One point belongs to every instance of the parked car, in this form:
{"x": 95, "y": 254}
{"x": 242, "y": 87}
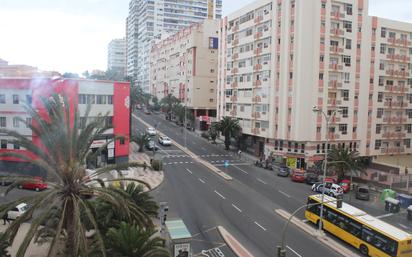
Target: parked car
{"x": 362, "y": 193}
{"x": 164, "y": 140}
{"x": 298, "y": 176}
{"x": 283, "y": 171}
{"x": 151, "y": 144}
{"x": 5, "y": 181}
{"x": 330, "y": 189}
{"x": 151, "y": 131}
{"x": 17, "y": 211}
{"x": 36, "y": 184}
{"x": 146, "y": 111}
{"x": 345, "y": 184}
{"x": 330, "y": 180}
{"x": 311, "y": 178}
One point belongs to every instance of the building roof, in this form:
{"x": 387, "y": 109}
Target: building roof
{"x": 367, "y": 219}
{"x": 177, "y": 229}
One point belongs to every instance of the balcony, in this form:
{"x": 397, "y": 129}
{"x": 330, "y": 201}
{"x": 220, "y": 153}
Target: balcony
{"x": 234, "y": 84}
{"x": 235, "y": 42}
{"x": 333, "y": 136}
{"x": 393, "y": 150}
{"x": 336, "y": 49}
{"x": 255, "y": 130}
{"x": 235, "y": 56}
{"x": 234, "y": 70}
{"x": 233, "y": 98}
{"x": 257, "y": 99}
{"x": 336, "y": 32}
{"x": 397, "y": 89}
{"x": 258, "y": 19}
{"x": 394, "y": 119}
{"x": 336, "y": 67}
{"x": 334, "y": 102}
{"x": 335, "y": 120}
{"x": 256, "y": 115}
{"x": 258, "y": 35}
{"x": 336, "y": 15}
{"x": 393, "y": 135}
{"x": 233, "y": 112}
{"x": 334, "y": 84}
{"x": 258, "y": 51}
{"x": 257, "y": 67}
{"x": 399, "y": 42}
{"x": 235, "y": 28}
{"x": 257, "y": 83}
{"x": 394, "y": 104}
{"x": 397, "y": 73}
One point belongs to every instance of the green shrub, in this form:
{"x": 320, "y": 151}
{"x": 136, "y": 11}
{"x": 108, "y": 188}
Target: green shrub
{"x": 157, "y": 165}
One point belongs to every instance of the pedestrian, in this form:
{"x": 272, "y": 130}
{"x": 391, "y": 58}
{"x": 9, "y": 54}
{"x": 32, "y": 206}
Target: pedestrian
{"x": 6, "y": 218}
{"x": 144, "y": 165}
{"x": 239, "y": 153}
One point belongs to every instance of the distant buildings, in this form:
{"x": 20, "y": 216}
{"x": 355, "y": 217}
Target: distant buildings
{"x": 23, "y": 71}
{"x": 116, "y": 56}
{"x": 279, "y": 58}
{"x": 151, "y": 20}
{"x": 104, "y": 97}
{"x": 185, "y": 66}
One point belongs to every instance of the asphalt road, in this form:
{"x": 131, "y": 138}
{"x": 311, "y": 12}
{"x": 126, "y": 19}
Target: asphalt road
{"x": 244, "y": 206}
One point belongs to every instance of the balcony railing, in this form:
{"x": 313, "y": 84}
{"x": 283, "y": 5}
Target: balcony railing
{"x": 336, "y": 49}
{"x": 234, "y": 84}
{"x": 400, "y": 89}
{"x": 402, "y": 42}
{"x": 337, "y": 32}
{"x": 257, "y": 99}
{"x": 255, "y": 130}
{"x": 333, "y": 136}
{"x": 397, "y": 73}
{"x": 258, "y": 19}
{"x": 335, "y": 66}
{"x": 257, "y": 83}
{"x": 258, "y": 35}
{"x": 337, "y": 15}
{"x": 393, "y": 150}
{"x": 257, "y": 67}
{"x": 256, "y": 115}
{"x": 258, "y": 50}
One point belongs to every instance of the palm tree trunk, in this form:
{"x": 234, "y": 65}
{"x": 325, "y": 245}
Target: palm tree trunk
{"x": 70, "y": 228}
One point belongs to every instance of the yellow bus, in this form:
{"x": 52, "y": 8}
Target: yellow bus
{"x": 372, "y": 236}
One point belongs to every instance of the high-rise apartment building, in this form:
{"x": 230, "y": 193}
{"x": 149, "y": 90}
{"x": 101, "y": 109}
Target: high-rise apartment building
{"x": 280, "y": 58}
{"x": 152, "y": 20}
{"x": 185, "y": 66}
{"x": 116, "y": 56}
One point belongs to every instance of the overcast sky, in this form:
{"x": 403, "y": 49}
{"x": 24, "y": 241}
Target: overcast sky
{"x": 72, "y": 35}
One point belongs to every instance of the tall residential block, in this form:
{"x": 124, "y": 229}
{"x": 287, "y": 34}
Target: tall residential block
{"x": 185, "y": 66}
{"x": 153, "y": 20}
{"x": 280, "y": 58}
{"x": 116, "y": 56}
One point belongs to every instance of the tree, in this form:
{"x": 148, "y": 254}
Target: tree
{"x": 142, "y": 199}
{"x": 156, "y": 104}
{"x": 167, "y": 104}
{"x": 342, "y": 161}
{"x": 4, "y": 244}
{"x": 62, "y": 152}
{"x": 178, "y": 111}
{"x": 213, "y": 132}
{"x": 130, "y": 240}
{"x": 141, "y": 140}
{"x": 70, "y": 75}
{"x": 229, "y": 127}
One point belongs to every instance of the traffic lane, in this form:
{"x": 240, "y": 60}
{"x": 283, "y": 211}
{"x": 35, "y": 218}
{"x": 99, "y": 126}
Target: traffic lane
{"x": 187, "y": 202}
{"x": 254, "y": 216}
{"x": 14, "y": 194}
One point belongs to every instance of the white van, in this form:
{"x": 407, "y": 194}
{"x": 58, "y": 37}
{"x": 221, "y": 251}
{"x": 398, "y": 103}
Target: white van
{"x": 17, "y": 211}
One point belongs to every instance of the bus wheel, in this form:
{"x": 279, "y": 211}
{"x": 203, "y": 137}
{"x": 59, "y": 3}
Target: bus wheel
{"x": 364, "y": 250}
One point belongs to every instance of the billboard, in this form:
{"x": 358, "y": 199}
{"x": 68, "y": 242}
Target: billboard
{"x": 181, "y": 250}
{"x": 213, "y": 43}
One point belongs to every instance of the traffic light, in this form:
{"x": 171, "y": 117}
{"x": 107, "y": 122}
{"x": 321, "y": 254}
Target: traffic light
{"x": 281, "y": 252}
{"x": 339, "y": 201}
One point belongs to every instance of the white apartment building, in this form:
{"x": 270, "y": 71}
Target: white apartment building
{"x": 116, "y": 56}
{"x": 280, "y": 58}
{"x": 151, "y": 20}
{"x": 185, "y": 66}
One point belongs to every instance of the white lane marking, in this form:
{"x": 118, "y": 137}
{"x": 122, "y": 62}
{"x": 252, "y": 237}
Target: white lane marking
{"x": 384, "y": 215}
{"x": 405, "y": 227}
{"x": 260, "y": 226}
{"x": 283, "y": 193}
{"x": 293, "y": 251}
{"x": 240, "y": 169}
{"x": 180, "y": 162}
{"x": 261, "y": 181}
{"x": 201, "y": 180}
{"x": 189, "y": 171}
{"x": 305, "y": 220}
{"x": 237, "y": 208}
{"x": 175, "y": 162}
{"x": 220, "y": 195}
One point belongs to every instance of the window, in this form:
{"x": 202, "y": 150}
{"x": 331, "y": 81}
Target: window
{"x": 82, "y": 99}
{"x": 380, "y": 97}
{"x": 15, "y": 99}
{"x": 110, "y": 99}
{"x": 2, "y": 99}
{"x": 91, "y": 99}
{"x": 345, "y": 95}
{"x": 392, "y": 35}
{"x": 28, "y": 122}
{"x": 16, "y": 146}
{"x": 320, "y": 76}
{"x": 347, "y": 25}
{"x": 318, "y": 129}
{"x": 381, "y": 81}
{"x": 321, "y": 58}
{"x": 323, "y": 5}
{"x": 383, "y": 49}
{"x": 346, "y": 60}
{"x": 108, "y": 121}
{"x": 343, "y": 128}
{"x": 16, "y": 122}
{"x": 121, "y": 140}
{"x": 346, "y": 77}
{"x": 348, "y": 44}
{"x": 348, "y": 9}
{"x": 407, "y": 142}
{"x": 408, "y": 128}
{"x": 344, "y": 112}
{"x": 383, "y": 32}
{"x": 101, "y": 99}
{"x": 29, "y": 99}
{"x": 3, "y": 144}
{"x": 3, "y": 123}
{"x": 379, "y": 113}
{"x": 210, "y": 100}
{"x": 378, "y": 128}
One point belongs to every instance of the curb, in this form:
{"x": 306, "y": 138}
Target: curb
{"x": 331, "y": 243}
{"x": 191, "y": 154}
{"x": 233, "y": 244}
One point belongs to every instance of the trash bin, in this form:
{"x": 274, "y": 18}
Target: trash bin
{"x": 387, "y": 193}
{"x": 405, "y": 200}
{"x": 409, "y": 211}
{"x": 392, "y": 205}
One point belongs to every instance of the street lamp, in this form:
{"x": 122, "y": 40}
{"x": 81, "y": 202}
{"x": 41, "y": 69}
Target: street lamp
{"x": 325, "y": 162}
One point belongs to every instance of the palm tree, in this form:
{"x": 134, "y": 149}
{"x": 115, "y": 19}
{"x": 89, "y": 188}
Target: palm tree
{"x": 229, "y": 127}
{"x": 130, "y": 240}
{"x": 62, "y": 153}
{"x": 167, "y": 104}
{"x": 142, "y": 199}
{"x": 4, "y": 244}
{"x": 141, "y": 140}
{"x": 342, "y": 160}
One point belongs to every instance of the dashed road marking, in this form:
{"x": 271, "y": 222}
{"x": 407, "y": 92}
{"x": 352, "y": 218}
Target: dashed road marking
{"x": 384, "y": 215}
{"x": 240, "y": 169}
{"x": 201, "y": 180}
{"x": 257, "y": 224}
{"x": 189, "y": 171}
{"x": 261, "y": 181}
{"x": 237, "y": 208}
{"x": 283, "y": 193}
{"x": 220, "y": 195}
{"x": 293, "y": 251}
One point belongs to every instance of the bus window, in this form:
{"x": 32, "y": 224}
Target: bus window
{"x": 354, "y": 228}
{"x": 367, "y": 235}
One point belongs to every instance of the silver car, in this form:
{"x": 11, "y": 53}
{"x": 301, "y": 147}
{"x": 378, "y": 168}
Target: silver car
{"x": 164, "y": 140}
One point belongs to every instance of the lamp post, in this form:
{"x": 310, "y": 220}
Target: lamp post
{"x": 325, "y": 162}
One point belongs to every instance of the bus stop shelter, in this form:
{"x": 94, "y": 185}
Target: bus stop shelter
{"x": 180, "y": 238}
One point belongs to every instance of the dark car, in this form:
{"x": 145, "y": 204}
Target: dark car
{"x": 362, "y": 193}
{"x": 150, "y": 145}
{"x": 283, "y": 171}
{"x": 311, "y": 178}
{"x": 5, "y": 181}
